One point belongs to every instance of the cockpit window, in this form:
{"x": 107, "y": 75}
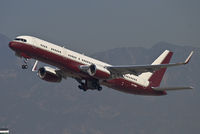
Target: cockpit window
{"x": 20, "y": 39}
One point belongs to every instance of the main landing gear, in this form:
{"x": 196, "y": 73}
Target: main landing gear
{"x": 25, "y": 65}
{"x": 89, "y": 84}
{"x": 85, "y": 88}
{"x": 99, "y": 88}
{"x": 82, "y": 87}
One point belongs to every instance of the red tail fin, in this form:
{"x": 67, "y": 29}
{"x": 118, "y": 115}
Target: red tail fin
{"x": 157, "y": 76}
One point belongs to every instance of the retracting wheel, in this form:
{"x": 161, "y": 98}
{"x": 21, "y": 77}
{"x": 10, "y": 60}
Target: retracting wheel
{"x": 24, "y": 66}
{"x": 99, "y": 88}
{"x": 82, "y": 87}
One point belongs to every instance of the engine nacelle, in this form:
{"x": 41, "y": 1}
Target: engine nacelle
{"x": 95, "y": 71}
{"x": 49, "y": 74}
{"x": 90, "y": 69}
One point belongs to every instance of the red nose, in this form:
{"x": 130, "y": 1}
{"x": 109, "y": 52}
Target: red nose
{"x": 12, "y": 45}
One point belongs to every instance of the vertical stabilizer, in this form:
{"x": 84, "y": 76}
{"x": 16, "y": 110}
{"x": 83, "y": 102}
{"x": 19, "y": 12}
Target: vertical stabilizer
{"x": 155, "y": 78}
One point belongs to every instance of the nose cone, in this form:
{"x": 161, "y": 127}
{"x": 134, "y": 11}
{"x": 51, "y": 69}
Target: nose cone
{"x": 12, "y": 45}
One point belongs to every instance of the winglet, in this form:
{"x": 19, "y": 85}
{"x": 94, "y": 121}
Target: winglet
{"x": 188, "y": 58}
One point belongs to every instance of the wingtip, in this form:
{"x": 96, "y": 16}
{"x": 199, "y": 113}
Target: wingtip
{"x": 189, "y": 57}
{"x": 190, "y": 87}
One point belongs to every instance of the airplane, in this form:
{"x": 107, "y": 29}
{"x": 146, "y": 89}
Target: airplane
{"x": 91, "y": 73}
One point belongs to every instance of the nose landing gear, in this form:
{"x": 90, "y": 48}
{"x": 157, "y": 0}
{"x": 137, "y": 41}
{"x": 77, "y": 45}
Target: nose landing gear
{"x": 25, "y": 65}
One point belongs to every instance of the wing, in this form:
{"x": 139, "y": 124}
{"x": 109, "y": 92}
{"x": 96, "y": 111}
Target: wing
{"x": 138, "y": 69}
{"x": 57, "y": 71}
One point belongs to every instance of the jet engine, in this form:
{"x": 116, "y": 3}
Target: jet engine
{"x": 49, "y": 74}
{"x": 90, "y": 69}
{"x": 95, "y": 71}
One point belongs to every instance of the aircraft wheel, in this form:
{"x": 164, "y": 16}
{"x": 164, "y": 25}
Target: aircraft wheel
{"x": 24, "y": 66}
{"x": 82, "y": 88}
{"x": 99, "y": 88}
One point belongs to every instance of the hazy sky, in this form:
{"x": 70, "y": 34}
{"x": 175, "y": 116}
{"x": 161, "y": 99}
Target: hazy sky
{"x": 96, "y": 25}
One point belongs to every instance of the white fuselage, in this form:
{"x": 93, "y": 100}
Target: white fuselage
{"x": 82, "y": 59}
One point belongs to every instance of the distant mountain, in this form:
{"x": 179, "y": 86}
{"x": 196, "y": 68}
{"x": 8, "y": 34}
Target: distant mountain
{"x": 29, "y": 105}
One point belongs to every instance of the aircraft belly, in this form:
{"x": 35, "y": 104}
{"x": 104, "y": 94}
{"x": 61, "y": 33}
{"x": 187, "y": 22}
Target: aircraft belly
{"x": 130, "y": 87}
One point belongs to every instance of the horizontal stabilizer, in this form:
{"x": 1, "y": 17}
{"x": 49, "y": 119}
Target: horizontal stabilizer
{"x": 171, "y": 88}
